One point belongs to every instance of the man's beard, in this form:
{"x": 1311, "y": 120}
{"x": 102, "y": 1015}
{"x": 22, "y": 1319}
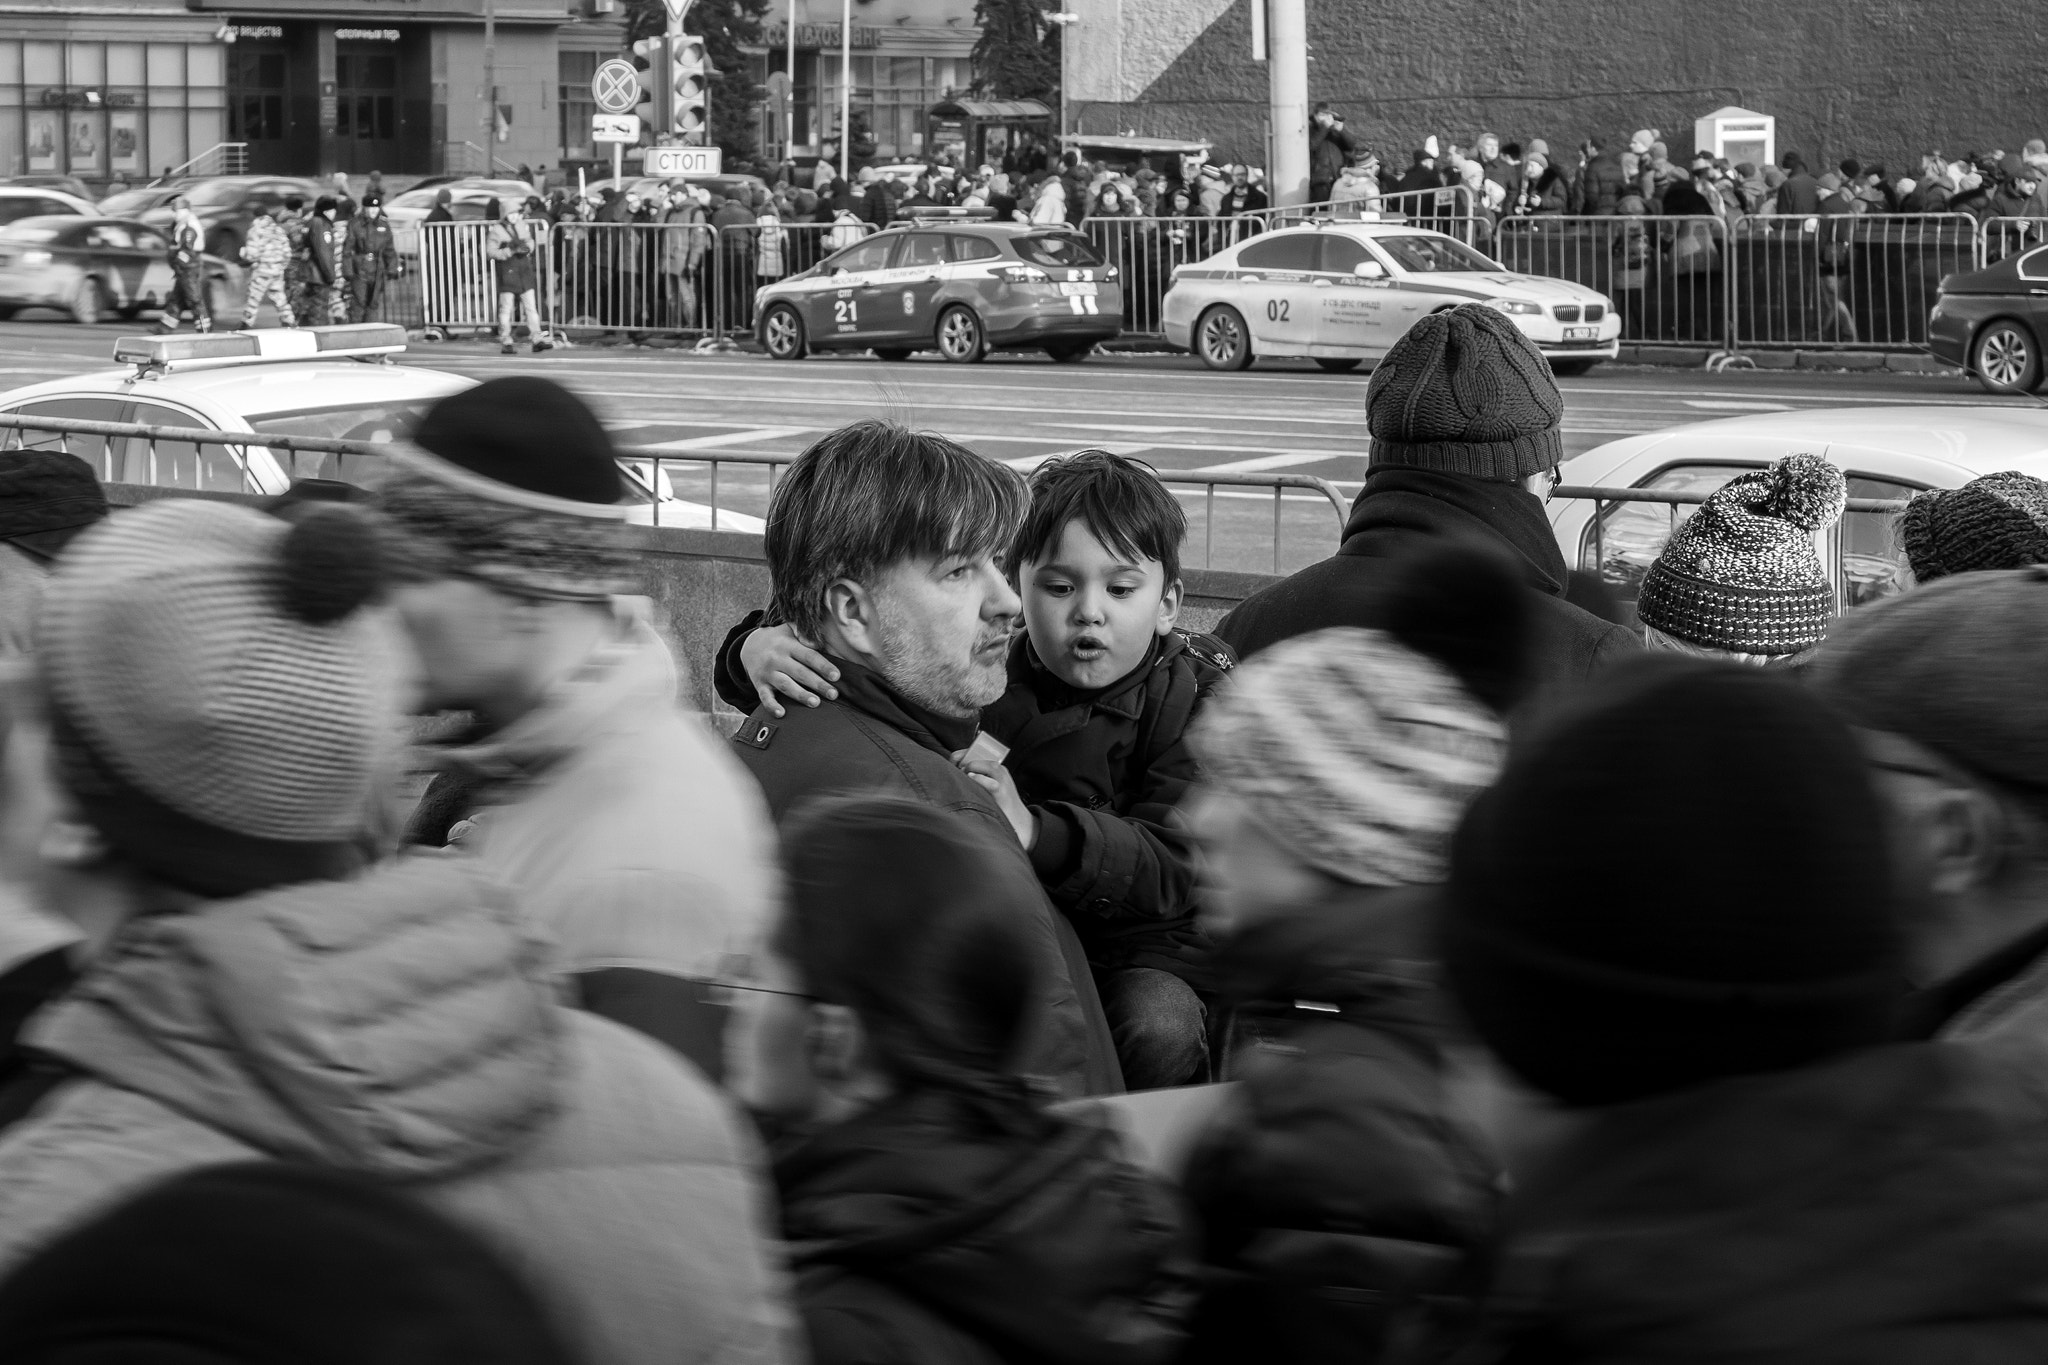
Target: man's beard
{"x": 957, "y": 687}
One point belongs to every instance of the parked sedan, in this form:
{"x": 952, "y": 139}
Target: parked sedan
{"x": 1994, "y": 322}
{"x": 960, "y": 289}
{"x": 1341, "y": 293}
{"x": 89, "y": 267}
{"x": 18, "y": 202}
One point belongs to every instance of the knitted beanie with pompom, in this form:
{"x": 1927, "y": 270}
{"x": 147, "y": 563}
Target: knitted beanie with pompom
{"x": 1741, "y": 574}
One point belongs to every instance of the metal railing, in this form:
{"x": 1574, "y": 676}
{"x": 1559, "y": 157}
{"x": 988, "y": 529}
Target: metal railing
{"x": 222, "y": 158}
{"x": 1857, "y": 578}
{"x": 466, "y": 158}
{"x": 2001, "y": 237}
{"x": 1666, "y": 277}
{"x": 1843, "y": 281}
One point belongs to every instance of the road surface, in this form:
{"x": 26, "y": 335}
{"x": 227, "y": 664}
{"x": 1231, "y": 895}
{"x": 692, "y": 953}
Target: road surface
{"x": 1167, "y": 410}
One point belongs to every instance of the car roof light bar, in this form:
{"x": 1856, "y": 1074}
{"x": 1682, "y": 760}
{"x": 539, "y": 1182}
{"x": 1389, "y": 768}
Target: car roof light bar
{"x": 272, "y": 343}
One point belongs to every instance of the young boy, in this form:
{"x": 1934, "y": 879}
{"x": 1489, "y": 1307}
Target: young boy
{"x": 1102, "y": 690}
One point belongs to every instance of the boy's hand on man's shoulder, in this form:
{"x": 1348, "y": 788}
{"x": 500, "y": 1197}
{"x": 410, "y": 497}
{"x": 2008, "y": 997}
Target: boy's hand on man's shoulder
{"x": 994, "y": 777}
{"x": 777, "y": 661}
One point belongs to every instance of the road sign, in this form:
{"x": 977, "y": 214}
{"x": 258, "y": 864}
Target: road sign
{"x": 666, "y": 161}
{"x": 676, "y": 10}
{"x": 616, "y": 86}
{"x": 615, "y": 127}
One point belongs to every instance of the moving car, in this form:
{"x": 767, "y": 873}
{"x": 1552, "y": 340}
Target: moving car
{"x": 90, "y": 267}
{"x": 1343, "y": 292}
{"x": 18, "y": 202}
{"x": 961, "y": 289}
{"x": 1994, "y": 322}
{"x": 1884, "y": 452}
{"x": 336, "y": 383}
{"x": 469, "y": 202}
{"x": 68, "y": 184}
{"x": 137, "y": 202}
{"x": 226, "y": 203}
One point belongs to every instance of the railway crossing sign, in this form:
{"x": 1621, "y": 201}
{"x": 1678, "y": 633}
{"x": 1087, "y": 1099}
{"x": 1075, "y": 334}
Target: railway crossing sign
{"x": 616, "y": 86}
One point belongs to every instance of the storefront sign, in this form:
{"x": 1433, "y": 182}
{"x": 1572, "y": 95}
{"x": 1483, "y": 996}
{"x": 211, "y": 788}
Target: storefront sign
{"x": 88, "y": 99}
{"x": 259, "y": 31}
{"x": 820, "y": 36}
{"x": 366, "y": 35}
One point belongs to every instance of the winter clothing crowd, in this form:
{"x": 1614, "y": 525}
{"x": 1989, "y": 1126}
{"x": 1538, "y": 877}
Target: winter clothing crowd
{"x": 394, "y": 971}
{"x": 319, "y": 263}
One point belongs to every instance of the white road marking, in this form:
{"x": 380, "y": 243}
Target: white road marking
{"x": 1735, "y": 405}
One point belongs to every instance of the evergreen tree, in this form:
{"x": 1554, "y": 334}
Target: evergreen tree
{"x": 1017, "y": 56}
{"x": 735, "y": 95}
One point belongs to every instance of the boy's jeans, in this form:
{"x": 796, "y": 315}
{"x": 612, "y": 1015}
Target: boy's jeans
{"x": 1159, "y": 1025}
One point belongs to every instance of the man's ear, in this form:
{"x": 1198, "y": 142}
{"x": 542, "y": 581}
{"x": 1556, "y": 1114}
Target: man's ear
{"x": 850, "y": 609}
{"x": 1169, "y": 606}
{"x": 1968, "y": 837}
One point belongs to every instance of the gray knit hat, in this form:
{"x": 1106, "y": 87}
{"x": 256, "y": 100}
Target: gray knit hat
{"x": 1741, "y": 574}
{"x": 1355, "y": 751}
{"x": 1464, "y": 392}
{"x": 222, "y": 712}
{"x": 1997, "y": 521}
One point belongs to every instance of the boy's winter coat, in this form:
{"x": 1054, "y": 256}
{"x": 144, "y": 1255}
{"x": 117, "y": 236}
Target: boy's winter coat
{"x": 1104, "y": 771}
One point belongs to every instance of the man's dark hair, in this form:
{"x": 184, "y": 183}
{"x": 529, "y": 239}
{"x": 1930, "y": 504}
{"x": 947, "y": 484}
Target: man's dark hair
{"x": 872, "y": 494}
{"x": 1322, "y": 107}
{"x": 1792, "y": 161}
{"x": 1850, "y": 168}
{"x": 293, "y": 203}
{"x": 1118, "y": 499}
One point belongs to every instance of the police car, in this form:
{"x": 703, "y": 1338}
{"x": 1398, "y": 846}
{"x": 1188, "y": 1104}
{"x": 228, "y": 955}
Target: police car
{"x": 959, "y": 288}
{"x": 336, "y": 383}
{"x": 1342, "y": 292}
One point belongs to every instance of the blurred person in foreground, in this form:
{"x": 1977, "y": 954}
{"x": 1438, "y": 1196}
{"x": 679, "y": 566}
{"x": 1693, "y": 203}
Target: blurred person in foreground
{"x": 1345, "y": 1196}
{"x": 937, "y": 1212}
{"x": 884, "y": 552}
{"x": 1464, "y": 413}
{"x": 1944, "y": 684}
{"x": 628, "y": 829}
{"x": 1740, "y": 579}
{"x": 1995, "y": 521}
{"x": 225, "y": 699}
{"x": 1749, "y": 1168}
{"x": 260, "y": 1263}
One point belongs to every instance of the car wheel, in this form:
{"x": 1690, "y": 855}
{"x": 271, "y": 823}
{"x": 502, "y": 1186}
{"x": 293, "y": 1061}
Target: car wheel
{"x": 1222, "y": 339}
{"x": 960, "y": 336}
{"x": 2005, "y": 358}
{"x": 1337, "y": 364}
{"x": 85, "y": 302}
{"x": 892, "y": 352}
{"x": 782, "y": 333}
{"x": 1567, "y": 368}
{"x": 1071, "y": 352}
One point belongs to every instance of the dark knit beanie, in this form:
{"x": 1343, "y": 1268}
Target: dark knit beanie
{"x": 1741, "y": 574}
{"x": 1956, "y": 666}
{"x": 260, "y": 1264}
{"x": 1464, "y": 392}
{"x": 527, "y": 432}
{"x": 1732, "y": 915}
{"x": 47, "y": 497}
{"x": 1997, "y": 521}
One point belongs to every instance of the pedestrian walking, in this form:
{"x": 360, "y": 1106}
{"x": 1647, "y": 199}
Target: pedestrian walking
{"x": 267, "y": 252}
{"x": 187, "y": 236}
{"x": 372, "y": 258}
{"x": 313, "y": 1003}
{"x": 513, "y": 245}
{"x": 936, "y": 1209}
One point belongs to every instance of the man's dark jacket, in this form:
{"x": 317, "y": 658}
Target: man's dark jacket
{"x": 872, "y": 740}
{"x": 1329, "y": 152}
{"x": 1104, "y": 770}
{"x": 369, "y": 245}
{"x": 1602, "y": 184}
{"x": 321, "y": 239}
{"x": 1399, "y": 512}
{"x": 1800, "y": 193}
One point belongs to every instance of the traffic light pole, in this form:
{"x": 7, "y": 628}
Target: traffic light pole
{"x": 846, "y": 90}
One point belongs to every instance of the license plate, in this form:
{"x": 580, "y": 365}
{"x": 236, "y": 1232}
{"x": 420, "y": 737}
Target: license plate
{"x": 1073, "y": 290}
{"x": 1582, "y": 334}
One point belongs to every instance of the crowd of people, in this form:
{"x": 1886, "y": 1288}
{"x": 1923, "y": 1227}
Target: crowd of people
{"x": 1560, "y": 989}
{"x": 323, "y": 262}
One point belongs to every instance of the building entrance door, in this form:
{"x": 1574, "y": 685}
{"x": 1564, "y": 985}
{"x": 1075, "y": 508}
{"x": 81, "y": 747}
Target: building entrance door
{"x": 366, "y": 107}
{"x": 259, "y": 76}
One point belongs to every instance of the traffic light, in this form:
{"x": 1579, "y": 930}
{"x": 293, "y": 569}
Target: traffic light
{"x": 650, "y": 59}
{"x": 689, "y": 89}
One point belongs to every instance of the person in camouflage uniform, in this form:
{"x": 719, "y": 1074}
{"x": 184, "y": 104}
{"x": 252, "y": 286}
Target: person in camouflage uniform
{"x": 268, "y": 253}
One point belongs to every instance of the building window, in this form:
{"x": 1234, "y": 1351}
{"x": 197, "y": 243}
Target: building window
{"x": 108, "y": 111}
{"x": 890, "y": 93}
{"x": 575, "y": 72}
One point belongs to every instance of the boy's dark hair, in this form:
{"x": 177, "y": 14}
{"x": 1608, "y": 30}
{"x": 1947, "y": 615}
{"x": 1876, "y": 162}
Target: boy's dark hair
{"x": 1117, "y": 498}
{"x": 871, "y": 494}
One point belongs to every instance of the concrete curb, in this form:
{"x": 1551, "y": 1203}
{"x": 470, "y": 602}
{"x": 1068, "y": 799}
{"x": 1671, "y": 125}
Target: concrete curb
{"x": 1692, "y": 357}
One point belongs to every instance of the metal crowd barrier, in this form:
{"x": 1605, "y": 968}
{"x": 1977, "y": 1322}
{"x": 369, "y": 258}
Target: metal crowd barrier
{"x": 2001, "y": 237}
{"x": 1843, "y": 281}
{"x": 752, "y": 257}
{"x": 634, "y": 277}
{"x": 1857, "y": 579}
{"x": 459, "y": 280}
{"x": 1665, "y": 276}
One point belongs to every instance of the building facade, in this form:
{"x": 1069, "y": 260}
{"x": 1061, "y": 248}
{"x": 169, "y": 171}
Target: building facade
{"x": 112, "y": 90}
{"x": 907, "y": 56}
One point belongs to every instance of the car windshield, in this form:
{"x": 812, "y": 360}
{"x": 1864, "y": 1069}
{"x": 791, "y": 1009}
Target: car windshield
{"x": 134, "y": 201}
{"x": 29, "y": 232}
{"x": 1057, "y": 248}
{"x": 1433, "y": 255}
{"x": 354, "y": 422}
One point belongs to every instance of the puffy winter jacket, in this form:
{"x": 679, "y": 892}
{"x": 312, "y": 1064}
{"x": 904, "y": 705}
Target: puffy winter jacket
{"x": 939, "y": 1230}
{"x": 1345, "y": 1198}
{"x": 404, "y": 1025}
{"x": 268, "y": 244}
{"x": 1602, "y": 184}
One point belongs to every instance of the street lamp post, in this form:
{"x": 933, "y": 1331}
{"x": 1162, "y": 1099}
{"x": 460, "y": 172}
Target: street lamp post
{"x": 1066, "y": 19}
{"x": 846, "y": 90}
